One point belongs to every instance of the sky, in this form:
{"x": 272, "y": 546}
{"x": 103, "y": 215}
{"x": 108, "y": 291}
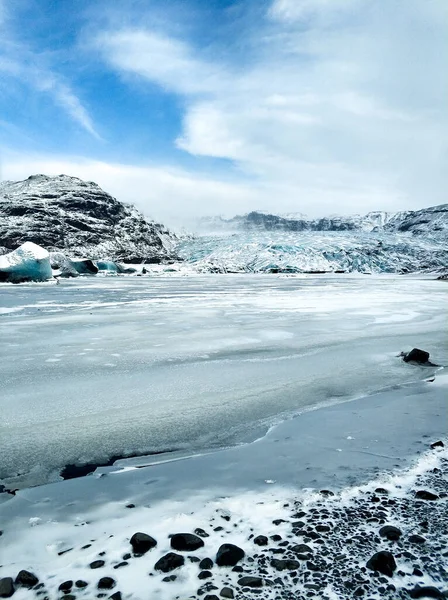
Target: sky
{"x": 207, "y": 107}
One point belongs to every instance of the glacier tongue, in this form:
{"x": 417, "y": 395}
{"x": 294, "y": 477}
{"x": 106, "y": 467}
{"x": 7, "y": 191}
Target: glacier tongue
{"x": 299, "y": 252}
{"x": 29, "y": 262}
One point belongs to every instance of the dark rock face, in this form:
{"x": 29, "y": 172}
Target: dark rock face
{"x": 69, "y": 214}
{"x": 26, "y": 579}
{"x": 416, "y": 355}
{"x": 383, "y": 562}
{"x": 186, "y": 542}
{"x": 169, "y": 562}
{"x": 6, "y": 587}
{"x": 390, "y": 532}
{"x": 229, "y": 555}
{"x": 142, "y": 542}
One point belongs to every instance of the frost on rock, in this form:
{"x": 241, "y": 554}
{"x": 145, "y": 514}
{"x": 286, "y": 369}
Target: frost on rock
{"x": 29, "y": 262}
{"x": 77, "y": 217}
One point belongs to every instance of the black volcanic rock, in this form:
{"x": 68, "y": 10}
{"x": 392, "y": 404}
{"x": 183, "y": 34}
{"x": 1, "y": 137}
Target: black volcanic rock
{"x": 383, "y": 562}
{"x": 77, "y": 217}
{"x": 169, "y": 562}
{"x": 142, "y": 542}
{"x": 229, "y": 555}
{"x": 186, "y": 542}
{"x": 6, "y": 587}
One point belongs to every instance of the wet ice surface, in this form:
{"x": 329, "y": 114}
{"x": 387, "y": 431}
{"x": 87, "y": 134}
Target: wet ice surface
{"x": 99, "y": 367}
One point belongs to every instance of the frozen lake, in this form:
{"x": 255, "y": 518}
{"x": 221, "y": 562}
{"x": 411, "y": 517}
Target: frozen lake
{"x": 107, "y": 366}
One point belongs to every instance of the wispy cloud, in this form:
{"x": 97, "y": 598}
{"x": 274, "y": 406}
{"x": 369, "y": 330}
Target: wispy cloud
{"x": 34, "y": 70}
{"x": 329, "y": 109}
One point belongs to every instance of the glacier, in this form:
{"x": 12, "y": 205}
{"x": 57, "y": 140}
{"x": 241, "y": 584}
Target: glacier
{"x": 314, "y": 252}
{"x": 29, "y": 262}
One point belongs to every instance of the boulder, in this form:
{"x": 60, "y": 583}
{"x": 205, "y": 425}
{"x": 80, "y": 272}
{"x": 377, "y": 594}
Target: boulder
{"x": 383, "y": 562}
{"x": 169, "y": 562}
{"x": 206, "y": 563}
{"x": 438, "y": 444}
{"x": 229, "y": 555}
{"x": 186, "y": 542}
{"x": 142, "y": 543}
{"x": 426, "y": 592}
{"x": 390, "y": 532}
{"x": 425, "y": 495}
{"x": 26, "y": 579}
{"x": 227, "y": 592}
{"x": 261, "y": 540}
{"x": 6, "y": 587}
{"x": 106, "y": 583}
{"x": 285, "y": 565}
{"x": 416, "y": 355}
{"x": 253, "y": 582}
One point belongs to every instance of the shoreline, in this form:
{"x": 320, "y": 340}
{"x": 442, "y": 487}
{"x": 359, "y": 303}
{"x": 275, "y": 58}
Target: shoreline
{"x": 234, "y": 494}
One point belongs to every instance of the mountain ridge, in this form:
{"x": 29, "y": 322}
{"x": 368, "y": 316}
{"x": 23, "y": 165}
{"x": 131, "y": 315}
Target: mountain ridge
{"x": 65, "y": 213}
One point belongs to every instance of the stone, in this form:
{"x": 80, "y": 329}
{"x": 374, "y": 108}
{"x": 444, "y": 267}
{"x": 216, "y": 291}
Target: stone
{"x": 115, "y": 596}
{"x": 302, "y": 549}
{"x": 6, "y": 587}
{"x": 390, "y": 532}
{"x": 201, "y": 533}
{"x": 142, "y": 542}
{"x": 285, "y": 565}
{"x": 261, "y": 540}
{"x": 205, "y": 575}
{"x": 97, "y": 564}
{"x": 249, "y": 581}
{"x": 186, "y": 542}
{"x": 416, "y": 539}
{"x": 416, "y": 355}
{"x": 227, "y": 592}
{"x": 425, "y": 495}
{"x": 383, "y": 562}
{"x": 66, "y": 586}
{"x": 169, "y": 562}
{"x": 327, "y": 493}
{"x": 425, "y": 592}
{"x": 206, "y": 563}
{"x": 81, "y": 584}
{"x": 26, "y": 579}
{"x": 438, "y": 444}
{"x": 106, "y": 583}
{"x": 229, "y": 555}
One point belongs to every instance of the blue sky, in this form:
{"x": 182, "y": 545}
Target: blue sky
{"x": 190, "y": 107}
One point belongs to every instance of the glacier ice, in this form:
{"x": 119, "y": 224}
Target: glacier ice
{"x": 299, "y": 252}
{"x": 29, "y": 262}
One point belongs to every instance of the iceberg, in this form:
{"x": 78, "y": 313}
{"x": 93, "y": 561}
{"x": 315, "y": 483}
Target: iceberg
{"x": 62, "y": 266}
{"x": 29, "y": 262}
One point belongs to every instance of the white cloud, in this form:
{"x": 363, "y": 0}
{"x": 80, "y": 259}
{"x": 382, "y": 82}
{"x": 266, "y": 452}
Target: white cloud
{"x": 345, "y": 114}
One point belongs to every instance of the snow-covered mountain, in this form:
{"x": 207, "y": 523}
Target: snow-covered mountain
{"x": 78, "y": 217}
{"x": 379, "y": 242}
{"x": 433, "y": 220}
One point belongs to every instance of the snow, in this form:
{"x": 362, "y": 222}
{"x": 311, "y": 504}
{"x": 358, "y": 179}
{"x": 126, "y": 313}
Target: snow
{"x": 146, "y": 364}
{"x": 179, "y": 496}
{"x": 29, "y": 262}
{"x": 314, "y": 251}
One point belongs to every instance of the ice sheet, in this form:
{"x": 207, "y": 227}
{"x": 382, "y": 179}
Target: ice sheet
{"x": 101, "y": 367}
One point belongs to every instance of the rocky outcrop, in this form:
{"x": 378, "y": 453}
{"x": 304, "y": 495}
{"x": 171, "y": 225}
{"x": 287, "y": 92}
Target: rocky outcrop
{"x": 79, "y": 218}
